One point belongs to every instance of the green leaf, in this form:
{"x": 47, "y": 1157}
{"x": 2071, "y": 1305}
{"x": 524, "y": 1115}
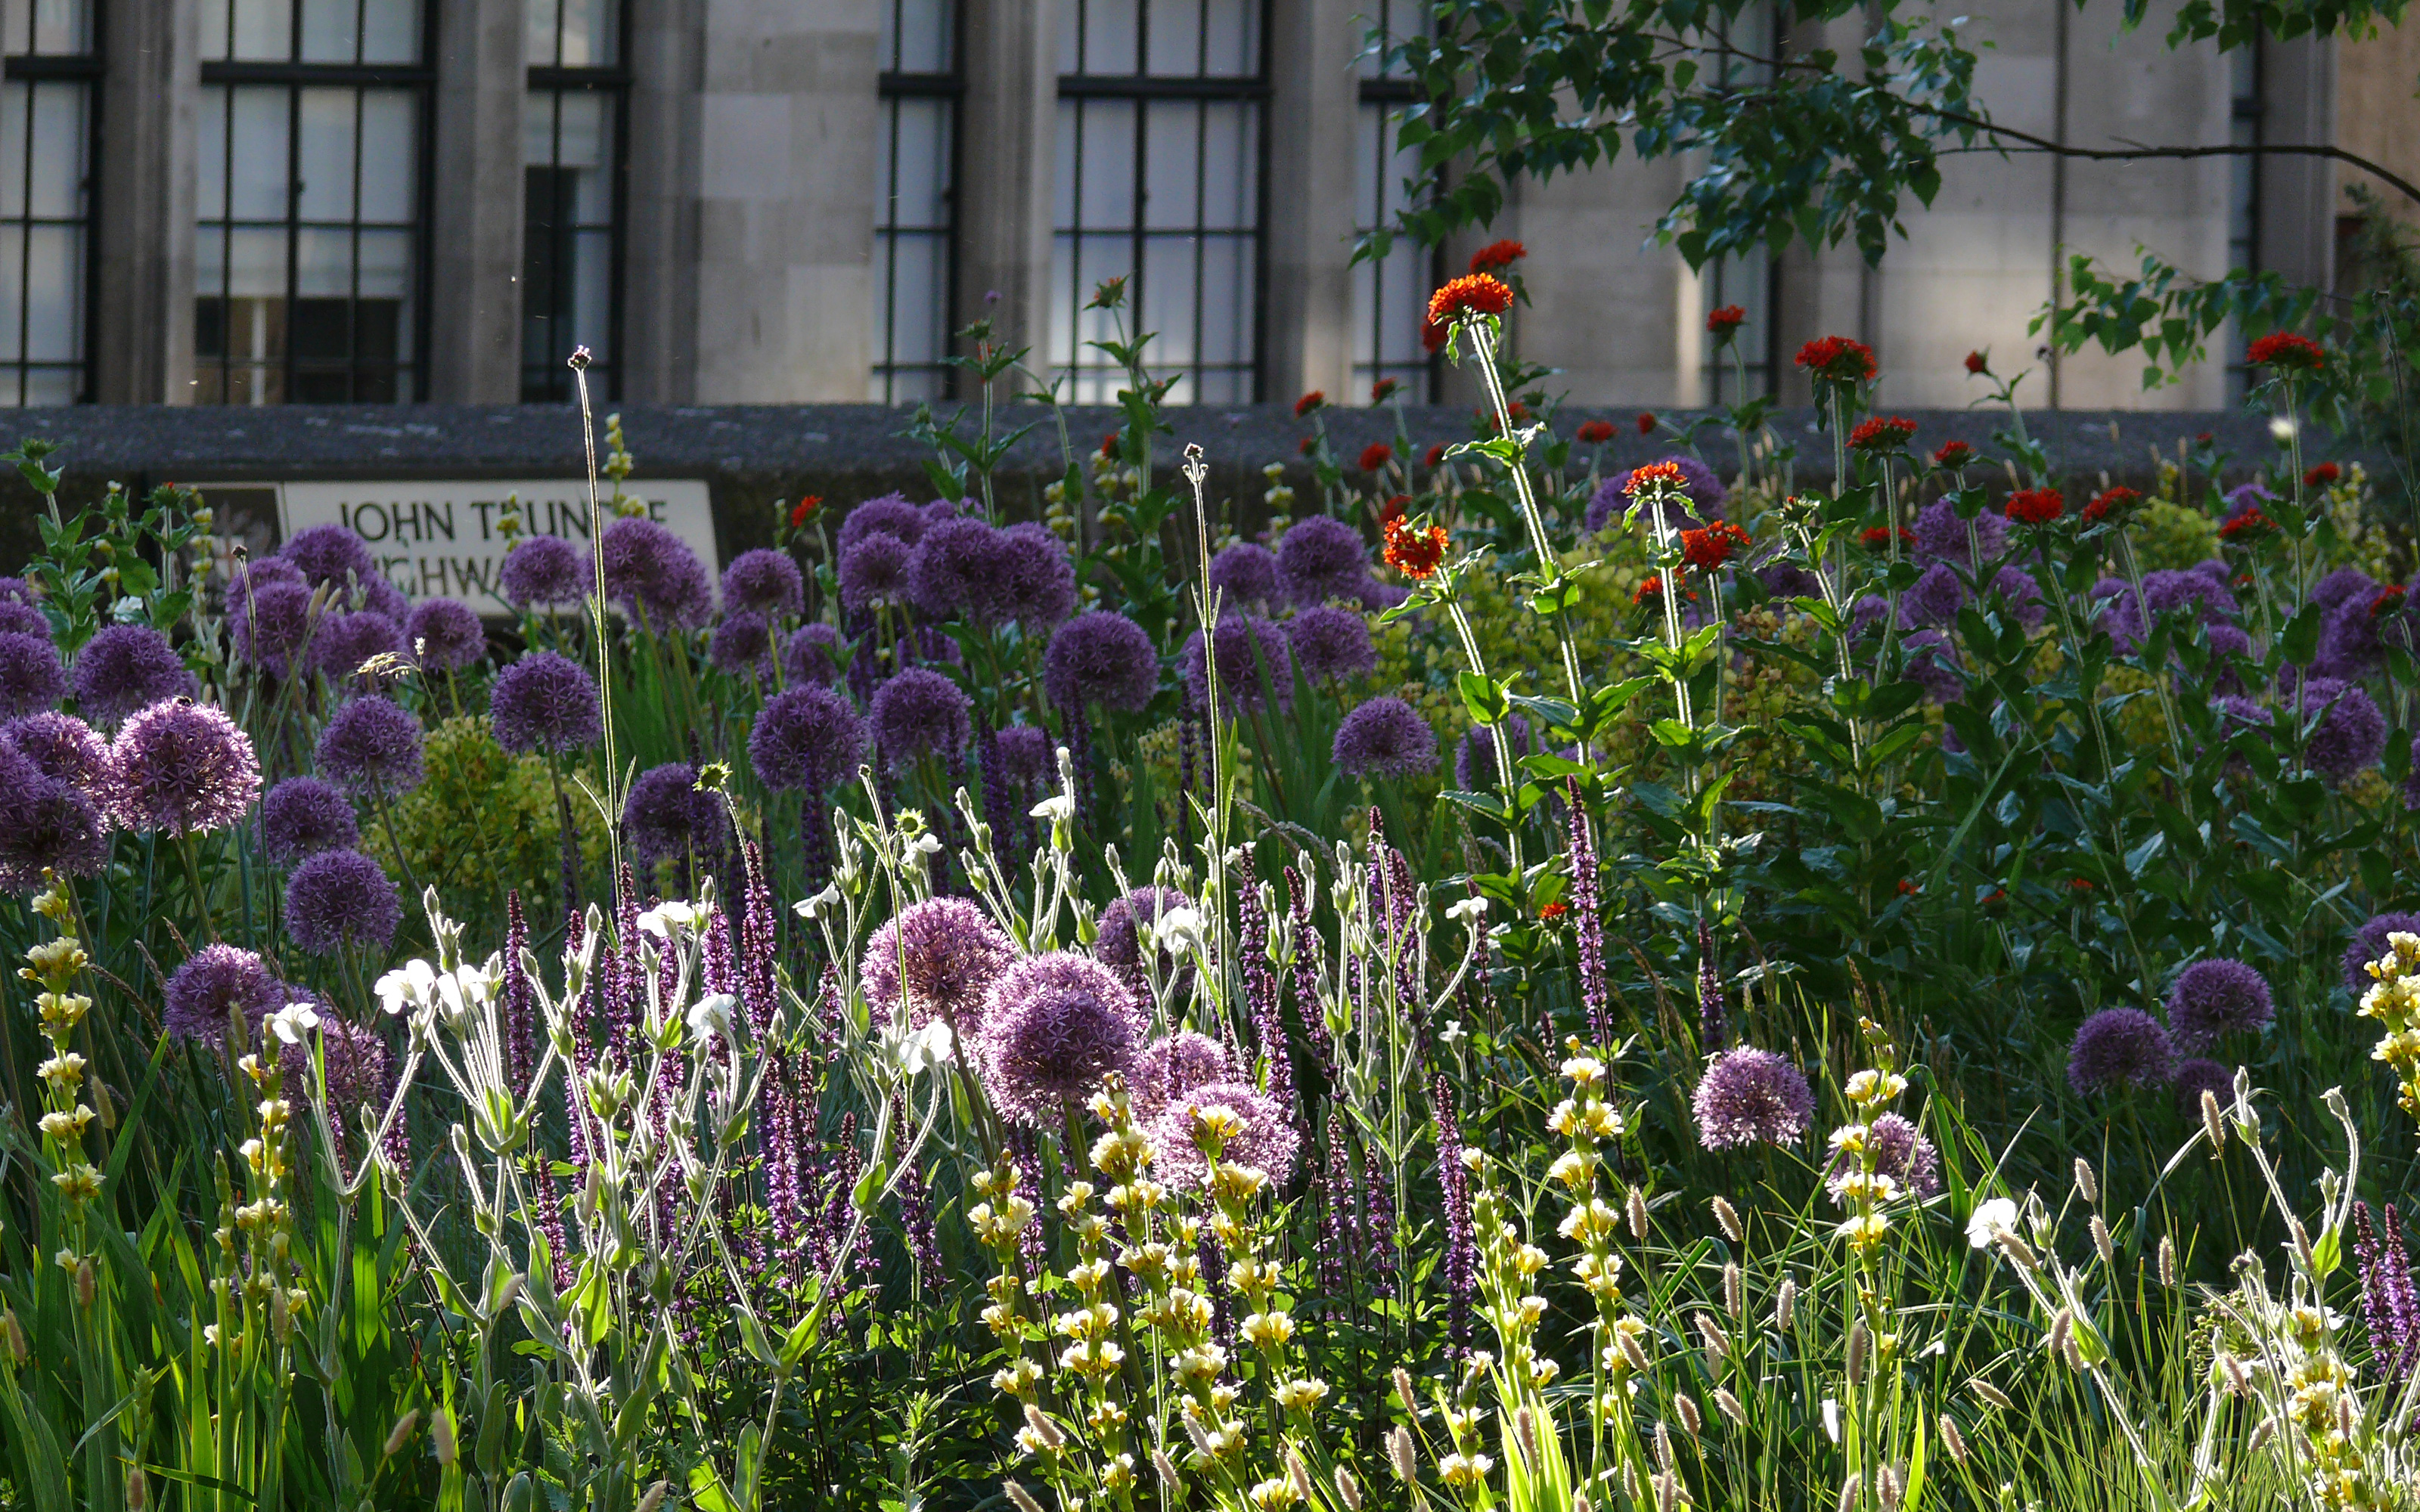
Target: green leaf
{"x": 1484, "y": 697}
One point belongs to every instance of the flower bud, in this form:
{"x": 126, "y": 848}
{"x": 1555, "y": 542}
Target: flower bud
{"x": 654, "y": 1497}
{"x": 440, "y": 1437}
{"x": 1021, "y": 1496}
{"x": 12, "y": 1338}
{"x": 2087, "y": 1185}
{"x": 401, "y": 1433}
{"x": 85, "y": 1283}
{"x": 138, "y": 1489}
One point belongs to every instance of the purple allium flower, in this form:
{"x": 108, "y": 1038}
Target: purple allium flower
{"x": 1332, "y": 645}
{"x": 329, "y": 554}
{"x": 1384, "y": 737}
{"x": 2195, "y": 1077}
{"x": 742, "y": 644}
{"x": 359, "y": 1077}
{"x": 2214, "y": 998}
{"x": 874, "y": 572}
{"x": 1255, "y": 666}
{"x": 1377, "y": 598}
{"x": 444, "y": 634}
{"x": 1932, "y": 662}
{"x": 809, "y": 656}
{"x": 942, "y": 956}
{"x": 182, "y": 767}
{"x": 766, "y": 582}
{"x": 2021, "y": 596}
{"x": 2247, "y": 496}
{"x": 2369, "y": 944}
{"x": 545, "y": 702}
{"x": 806, "y": 738}
{"x": 1901, "y": 1152}
{"x": 1941, "y": 535}
{"x": 2345, "y": 585}
{"x": 667, "y": 816}
{"x": 372, "y": 745}
{"x": 1934, "y": 598}
{"x": 1267, "y": 1140}
{"x": 2176, "y": 592}
{"x": 2347, "y": 730}
{"x": 253, "y": 573}
{"x": 950, "y": 571}
{"x": 1028, "y": 758}
{"x": 2225, "y": 641}
{"x": 1053, "y": 1026}
{"x": 546, "y": 570}
{"x": 15, "y": 590}
{"x": 17, "y": 617}
{"x": 892, "y": 514}
{"x": 1319, "y": 559}
{"x": 920, "y": 713}
{"x": 45, "y": 823}
{"x": 1474, "y": 757}
{"x": 1750, "y": 1096}
{"x": 270, "y": 626}
{"x": 126, "y": 667}
{"x": 651, "y": 572}
{"x": 1788, "y": 579}
{"x": 303, "y": 816}
{"x": 64, "y": 747}
{"x": 30, "y": 677}
{"x": 1101, "y": 657}
{"x": 1245, "y": 577}
{"x": 1120, "y": 943}
{"x": 1172, "y": 1066}
{"x": 213, "y": 981}
{"x": 1035, "y": 583}
{"x": 344, "y": 642}
{"x": 340, "y": 897}
{"x": 2119, "y": 1047}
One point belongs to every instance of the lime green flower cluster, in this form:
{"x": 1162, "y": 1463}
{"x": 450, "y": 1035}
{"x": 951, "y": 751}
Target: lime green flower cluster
{"x": 2170, "y": 536}
{"x": 484, "y": 821}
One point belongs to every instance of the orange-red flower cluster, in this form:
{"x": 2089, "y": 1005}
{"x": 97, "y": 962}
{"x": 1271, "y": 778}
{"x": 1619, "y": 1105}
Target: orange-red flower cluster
{"x": 1471, "y": 295}
{"x": 2036, "y": 506}
{"x": 2389, "y": 600}
{"x": 1977, "y": 363}
{"x": 1433, "y": 335}
{"x": 1725, "y": 319}
{"x": 1393, "y": 508}
{"x": 2322, "y": 476}
{"x": 1651, "y": 588}
{"x": 1497, "y": 255}
{"x": 805, "y": 510}
{"x": 1415, "y": 550}
{"x": 1109, "y": 445}
{"x": 1642, "y": 479}
{"x": 1877, "y": 538}
{"x": 1706, "y": 550}
{"x": 2284, "y": 348}
{"x": 2250, "y": 525}
{"x": 1383, "y": 391}
{"x": 1375, "y": 456}
{"x": 1646, "y": 424}
{"x": 1839, "y": 358}
{"x": 1953, "y": 454}
{"x": 1552, "y": 912}
{"x": 1883, "y": 434}
{"x": 1435, "y": 456}
{"x": 1316, "y": 399}
{"x": 2111, "y": 503}
{"x": 1596, "y": 431}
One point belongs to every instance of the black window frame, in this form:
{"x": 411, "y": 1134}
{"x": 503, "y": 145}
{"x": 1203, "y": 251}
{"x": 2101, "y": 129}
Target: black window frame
{"x": 295, "y": 75}
{"x": 1143, "y": 88}
{"x": 1733, "y": 65}
{"x": 1392, "y": 92}
{"x": 893, "y": 85}
{"x": 604, "y": 375}
{"x": 87, "y": 68}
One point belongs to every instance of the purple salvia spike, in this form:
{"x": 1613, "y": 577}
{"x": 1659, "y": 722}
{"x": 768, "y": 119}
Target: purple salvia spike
{"x": 1586, "y": 924}
{"x": 1711, "y": 1029}
{"x": 2377, "y": 1300}
{"x": 1461, "y": 1244}
{"x": 716, "y": 967}
{"x": 1261, "y": 987}
{"x": 916, "y": 1211}
{"x": 1337, "y": 1239}
{"x": 760, "y": 940}
{"x": 2403, "y": 1307}
{"x": 549, "y": 1223}
{"x": 520, "y": 1003}
{"x": 1307, "y": 959}
{"x": 1378, "y": 1217}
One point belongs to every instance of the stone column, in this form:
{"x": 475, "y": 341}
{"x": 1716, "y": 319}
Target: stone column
{"x": 786, "y": 186}
{"x": 1007, "y": 151}
{"x": 476, "y": 223}
{"x": 1313, "y": 121}
{"x": 143, "y": 335}
{"x": 659, "y": 285}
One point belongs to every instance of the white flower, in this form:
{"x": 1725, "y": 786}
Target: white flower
{"x": 1059, "y": 808}
{"x": 915, "y": 1051}
{"x": 1992, "y": 1219}
{"x": 1469, "y": 908}
{"x": 2281, "y": 430}
{"x": 408, "y": 986}
{"x": 1178, "y": 930}
{"x": 664, "y": 917}
{"x": 812, "y": 907}
{"x": 293, "y": 1022}
{"x": 711, "y": 1017}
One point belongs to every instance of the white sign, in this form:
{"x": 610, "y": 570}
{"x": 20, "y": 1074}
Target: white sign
{"x": 439, "y": 539}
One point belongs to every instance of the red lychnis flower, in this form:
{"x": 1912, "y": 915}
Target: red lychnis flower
{"x": 2110, "y": 503}
{"x": 1706, "y": 550}
{"x": 1383, "y": 391}
{"x": 2248, "y": 525}
{"x": 1596, "y": 431}
{"x": 1643, "y": 479}
{"x": 1906, "y": 888}
{"x": 1552, "y": 912}
{"x": 1496, "y": 256}
{"x": 1435, "y": 456}
{"x": 1375, "y": 456}
{"x": 1953, "y": 454}
{"x": 1725, "y": 320}
{"x": 1838, "y": 358}
{"x": 1109, "y": 446}
{"x": 1433, "y": 335}
{"x": 1393, "y": 508}
{"x": 1978, "y": 362}
{"x": 1883, "y": 434}
{"x": 2322, "y": 476}
{"x": 805, "y": 510}
{"x": 1487, "y": 418}
{"x": 1646, "y": 424}
{"x": 2284, "y": 348}
{"x": 1415, "y": 550}
{"x": 1471, "y": 295}
{"x": 1305, "y": 444}
{"x": 2036, "y": 506}
{"x": 1651, "y": 588}
{"x": 1316, "y": 399}
{"x": 1878, "y": 537}
{"x": 2389, "y": 600}
{"x": 2204, "y": 438}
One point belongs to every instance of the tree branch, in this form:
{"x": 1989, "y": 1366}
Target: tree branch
{"x": 2281, "y": 150}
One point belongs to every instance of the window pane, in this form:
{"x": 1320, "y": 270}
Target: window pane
{"x": 1110, "y": 37}
{"x": 255, "y": 160}
{"x": 46, "y": 26}
{"x": 251, "y": 29}
{"x": 567, "y": 292}
{"x": 43, "y": 137}
{"x": 331, "y": 31}
{"x": 919, "y": 37}
{"x": 1389, "y": 294}
{"x": 390, "y": 156}
{"x": 326, "y": 150}
{"x": 391, "y": 31}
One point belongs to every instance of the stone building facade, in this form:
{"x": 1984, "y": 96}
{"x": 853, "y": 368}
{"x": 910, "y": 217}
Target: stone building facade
{"x": 797, "y": 201}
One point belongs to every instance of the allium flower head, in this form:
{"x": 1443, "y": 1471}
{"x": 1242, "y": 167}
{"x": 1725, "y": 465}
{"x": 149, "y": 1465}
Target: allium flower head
{"x": 1035, "y": 582}
{"x": 215, "y": 980}
{"x": 45, "y": 823}
{"x": 445, "y": 635}
{"x": 2196, "y": 1076}
{"x": 1053, "y": 1026}
{"x": 1263, "y": 1139}
{"x": 1384, "y": 737}
{"x": 2170, "y": 591}
{"x": 30, "y": 677}
{"x": 742, "y": 644}
{"x": 1933, "y": 661}
{"x": 2347, "y": 730}
{"x": 2214, "y": 998}
{"x": 1474, "y": 757}
{"x": 1749, "y": 1096}
{"x": 1320, "y": 558}
{"x": 344, "y": 642}
{"x": 1026, "y": 755}
{"x": 650, "y": 571}
{"x": 1934, "y": 598}
{"x": 329, "y": 554}
{"x": 303, "y": 816}
{"x": 18, "y": 617}
{"x": 359, "y": 1076}
{"x": 181, "y": 768}
{"x": 892, "y": 514}
{"x": 953, "y": 569}
{"x": 766, "y": 582}
{"x": 338, "y": 898}
{"x": 373, "y": 745}
{"x": 1255, "y": 666}
{"x": 124, "y": 667}
{"x": 1172, "y": 1066}
{"x": 270, "y": 626}
{"x": 1101, "y": 657}
{"x": 1122, "y": 940}
{"x": 2119, "y": 1047}
{"x": 545, "y": 570}
{"x": 874, "y": 572}
{"x": 810, "y": 656}
{"x": 1332, "y": 645}
{"x": 1245, "y": 577}
{"x": 667, "y": 816}
{"x": 2369, "y": 944}
{"x": 1941, "y": 535}
{"x": 545, "y": 702}
{"x": 2343, "y": 586}
{"x": 2021, "y": 594}
{"x": 1901, "y": 1152}
{"x": 808, "y": 738}
{"x": 63, "y": 747}
{"x": 939, "y": 957}
{"x": 920, "y": 713}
